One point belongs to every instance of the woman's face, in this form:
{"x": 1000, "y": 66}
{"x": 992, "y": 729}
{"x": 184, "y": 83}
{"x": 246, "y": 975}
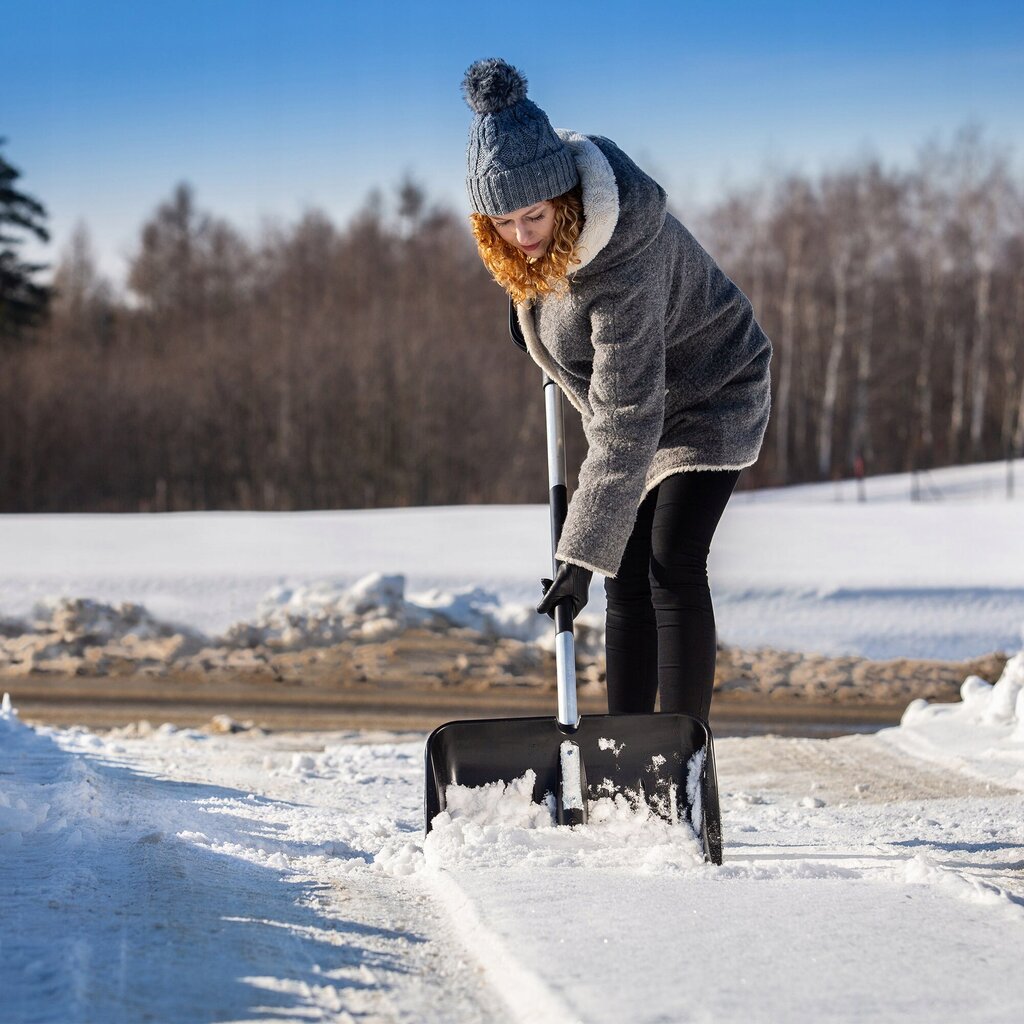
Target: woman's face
{"x": 530, "y": 229}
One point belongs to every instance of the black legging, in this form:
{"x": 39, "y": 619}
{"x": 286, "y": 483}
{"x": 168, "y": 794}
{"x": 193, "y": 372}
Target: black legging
{"x": 660, "y": 626}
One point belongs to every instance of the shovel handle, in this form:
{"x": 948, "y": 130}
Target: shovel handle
{"x": 558, "y": 504}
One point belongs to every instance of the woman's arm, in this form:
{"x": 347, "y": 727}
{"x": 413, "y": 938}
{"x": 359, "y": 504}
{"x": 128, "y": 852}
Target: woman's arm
{"x": 627, "y": 400}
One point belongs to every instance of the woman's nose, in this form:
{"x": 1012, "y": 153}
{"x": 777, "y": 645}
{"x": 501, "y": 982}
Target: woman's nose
{"x": 522, "y": 233}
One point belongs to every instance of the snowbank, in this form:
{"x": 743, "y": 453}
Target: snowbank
{"x": 327, "y": 612}
{"x": 80, "y": 635}
{"x": 21, "y": 811}
{"x": 43, "y": 795}
{"x": 63, "y": 631}
{"x": 982, "y": 734}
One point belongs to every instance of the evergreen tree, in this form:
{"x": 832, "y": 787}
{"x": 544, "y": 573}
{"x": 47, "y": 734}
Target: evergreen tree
{"x": 23, "y": 302}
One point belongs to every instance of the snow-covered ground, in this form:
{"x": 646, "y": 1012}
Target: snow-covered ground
{"x": 174, "y": 875}
{"x": 806, "y": 568}
{"x": 179, "y": 875}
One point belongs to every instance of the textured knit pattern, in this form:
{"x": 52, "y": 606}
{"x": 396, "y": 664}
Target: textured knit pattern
{"x": 655, "y": 347}
{"x": 514, "y": 157}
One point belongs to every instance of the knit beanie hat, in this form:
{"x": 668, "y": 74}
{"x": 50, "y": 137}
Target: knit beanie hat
{"x": 514, "y": 157}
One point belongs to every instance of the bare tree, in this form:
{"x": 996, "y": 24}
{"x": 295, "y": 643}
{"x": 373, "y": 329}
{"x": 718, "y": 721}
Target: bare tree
{"x": 790, "y": 226}
{"x": 880, "y": 194}
{"x": 928, "y": 212}
{"x": 83, "y": 301}
{"x": 842, "y": 211}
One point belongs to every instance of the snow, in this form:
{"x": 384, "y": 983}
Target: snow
{"x": 498, "y": 825}
{"x": 182, "y": 875}
{"x": 227, "y": 874}
{"x": 982, "y": 735}
{"x": 805, "y": 568}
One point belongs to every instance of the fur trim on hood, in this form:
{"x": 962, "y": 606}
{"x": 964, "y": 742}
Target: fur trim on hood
{"x": 600, "y": 196}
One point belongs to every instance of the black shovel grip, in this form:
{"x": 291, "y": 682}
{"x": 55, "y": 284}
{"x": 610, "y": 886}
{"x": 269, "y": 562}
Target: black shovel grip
{"x": 514, "y": 328}
{"x": 558, "y": 503}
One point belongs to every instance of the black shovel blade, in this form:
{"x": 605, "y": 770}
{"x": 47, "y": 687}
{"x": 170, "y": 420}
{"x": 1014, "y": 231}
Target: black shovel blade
{"x": 666, "y": 759}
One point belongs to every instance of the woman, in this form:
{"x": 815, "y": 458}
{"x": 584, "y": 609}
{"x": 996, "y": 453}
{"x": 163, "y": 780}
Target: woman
{"x": 658, "y": 351}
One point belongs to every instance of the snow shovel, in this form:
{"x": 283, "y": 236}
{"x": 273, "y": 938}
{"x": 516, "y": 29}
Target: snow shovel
{"x": 665, "y": 760}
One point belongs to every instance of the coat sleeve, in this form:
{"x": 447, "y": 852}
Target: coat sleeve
{"x": 627, "y": 403}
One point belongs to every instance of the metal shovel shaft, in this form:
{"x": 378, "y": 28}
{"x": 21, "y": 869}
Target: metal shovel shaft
{"x": 558, "y": 504}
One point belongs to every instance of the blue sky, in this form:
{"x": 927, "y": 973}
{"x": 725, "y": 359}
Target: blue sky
{"x": 270, "y": 108}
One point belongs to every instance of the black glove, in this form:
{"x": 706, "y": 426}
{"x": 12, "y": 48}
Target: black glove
{"x": 570, "y": 581}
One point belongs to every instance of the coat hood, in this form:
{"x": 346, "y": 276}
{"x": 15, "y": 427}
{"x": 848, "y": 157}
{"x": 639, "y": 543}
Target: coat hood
{"x": 624, "y": 207}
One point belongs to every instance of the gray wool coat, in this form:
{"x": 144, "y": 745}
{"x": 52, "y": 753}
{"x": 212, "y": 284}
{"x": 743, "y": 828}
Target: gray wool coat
{"x": 654, "y": 346}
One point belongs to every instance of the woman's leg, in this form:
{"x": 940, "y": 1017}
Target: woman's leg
{"x": 689, "y": 506}
{"x": 631, "y": 630}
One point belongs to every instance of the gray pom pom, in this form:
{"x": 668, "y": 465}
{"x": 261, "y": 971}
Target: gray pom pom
{"x": 492, "y": 85}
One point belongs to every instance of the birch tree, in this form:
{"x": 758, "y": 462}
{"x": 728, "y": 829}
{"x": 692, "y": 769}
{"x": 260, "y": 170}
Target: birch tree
{"x": 841, "y": 211}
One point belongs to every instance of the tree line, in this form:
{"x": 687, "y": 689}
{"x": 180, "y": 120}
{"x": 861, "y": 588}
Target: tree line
{"x": 319, "y": 365}
{"x": 895, "y": 300}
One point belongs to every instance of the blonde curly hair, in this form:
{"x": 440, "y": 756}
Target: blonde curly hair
{"x": 525, "y": 279}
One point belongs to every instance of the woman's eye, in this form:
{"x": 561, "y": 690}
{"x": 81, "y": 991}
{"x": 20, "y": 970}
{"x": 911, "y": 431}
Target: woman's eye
{"x": 540, "y": 216}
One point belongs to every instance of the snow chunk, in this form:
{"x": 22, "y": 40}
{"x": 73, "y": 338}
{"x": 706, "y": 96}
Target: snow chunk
{"x": 1003, "y": 698}
{"x": 694, "y": 776}
{"x": 505, "y": 803}
{"x": 921, "y": 870}
{"x": 399, "y": 858}
{"x": 303, "y": 764}
{"x": 376, "y": 594}
{"x": 1018, "y": 733}
{"x": 975, "y": 693}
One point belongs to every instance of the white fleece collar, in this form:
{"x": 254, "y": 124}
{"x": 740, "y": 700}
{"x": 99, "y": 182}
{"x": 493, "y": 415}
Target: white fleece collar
{"x": 600, "y": 195}
{"x": 601, "y": 207}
